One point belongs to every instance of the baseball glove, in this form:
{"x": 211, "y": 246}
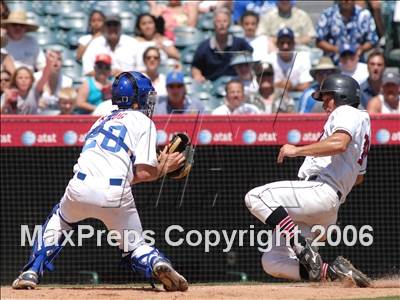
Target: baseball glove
{"x": 180, "y": 142}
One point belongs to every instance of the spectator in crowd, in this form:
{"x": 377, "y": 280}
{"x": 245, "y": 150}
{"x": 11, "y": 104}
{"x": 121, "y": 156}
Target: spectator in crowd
{"x": 5, "y": 78}
{"x": 260, "y": 7}
{"x": 235, "y": 101}
{"x": 285, "y": 14}
{"x": 67, "y": 100}
{"x": 95, "y": 29}
{"x": 213, "y": 56}
{"x": 175, "y": 14}
{"x": 345, "y": 23}
{"x": 268, "y": 97}
{"x": 147, "y": 35}
{"x": 4, "y": 12}
{"x": 243, "y": 64}
{"x": 372, "y": 86}
{"x": 261, "y": 44}
{"x": 374, "y": 6}
{"x": 7, "y": 62}
{"x": 388, "y": 101}
{"x": 120, "y": 47}
{"x": 23, "y": 95}
{"x": 151, "y": 58}
{"x": 23, "y": 48}
{"x": 349, "y": 63}
{"x": 207, "y": 6}
{"x": 177, "y": 101}
{"x": 324, "y": 68}
{"x": 297, "y": 77}
{"x": 54, "y": 81}
{"x": 97, "y": 88}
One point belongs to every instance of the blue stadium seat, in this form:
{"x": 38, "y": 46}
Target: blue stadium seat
{"x": 187, "y": 36}
{"x": 20, "y": 5}
{"x": 112, "y": 7}
{"x": 128, "y": 20}
{"x": 46, "y": 38}
{"x": 62, "y": 7}
{"x": 206, "y": 22}
{"x": 218, "y": 88}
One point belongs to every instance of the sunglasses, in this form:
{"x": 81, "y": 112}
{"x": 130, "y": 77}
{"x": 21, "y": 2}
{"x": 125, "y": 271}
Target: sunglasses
{"x": 152, "y": 57}
{"x": 175, "y": 86}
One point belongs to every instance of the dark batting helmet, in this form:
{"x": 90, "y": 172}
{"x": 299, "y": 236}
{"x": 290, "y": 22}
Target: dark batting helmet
{"x": 345, "y": 90}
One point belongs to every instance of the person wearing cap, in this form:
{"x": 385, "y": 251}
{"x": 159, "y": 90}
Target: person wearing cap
{"x": 235, "y": 101}
{"x": 54, "y": 81}
{"x": 344, "y": 22}
{"x": 120, "y": 47}
{"x": 285, "y": 14}
{"x": 282, "y": 62}
{"x": 372, "y": 86}
{"x": 388, "y": 101}
{"x": 95, "y": 89}
{"x": 243, "y": 65}
{"x": 350, "y": 65}
{"x": 213, "y": 56}
{"x": 177, "y": 101}
{"x": 23, "y": 48}
{"x": 324, "y": 68}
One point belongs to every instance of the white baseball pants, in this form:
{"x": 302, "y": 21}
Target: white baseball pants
{"x": 307, "y": 202}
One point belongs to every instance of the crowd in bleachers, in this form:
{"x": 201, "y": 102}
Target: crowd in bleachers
{"x": 216, "y": 57}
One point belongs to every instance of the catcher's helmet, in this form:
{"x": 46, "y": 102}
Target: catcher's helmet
{"x": 345, "y": 90}
{"x": 133, "y": 87}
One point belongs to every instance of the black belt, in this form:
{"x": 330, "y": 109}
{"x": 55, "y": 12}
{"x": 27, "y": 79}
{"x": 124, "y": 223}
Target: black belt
{"x": 314, "y": 177}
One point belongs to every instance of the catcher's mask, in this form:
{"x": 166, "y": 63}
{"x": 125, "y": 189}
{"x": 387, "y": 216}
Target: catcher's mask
{"x": 131, "y": 88}
{"x": 345, "y": 90}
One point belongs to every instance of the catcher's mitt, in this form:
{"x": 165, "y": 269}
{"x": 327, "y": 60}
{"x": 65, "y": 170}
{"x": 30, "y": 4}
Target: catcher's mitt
{"x": 180, "y": 142}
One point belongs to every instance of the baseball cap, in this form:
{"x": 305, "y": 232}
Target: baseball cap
{"x": 103, "y": 58}
{"x": 113, "y": 20}
{"x": 285, "y": 32}
{"x": 175, "y": 77}
{"x": 347, "y": 48}
{"x": 391, "y": 75}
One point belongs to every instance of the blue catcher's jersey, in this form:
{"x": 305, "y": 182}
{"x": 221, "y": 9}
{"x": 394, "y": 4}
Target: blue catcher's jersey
{"x": 115, "y": 143}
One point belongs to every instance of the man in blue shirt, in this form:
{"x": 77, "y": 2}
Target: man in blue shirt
{"x": 345, "y": 23}
{"x": 213, "y": 56}
{"x": 372, "y": 86}
{"x": 177, "y": 101}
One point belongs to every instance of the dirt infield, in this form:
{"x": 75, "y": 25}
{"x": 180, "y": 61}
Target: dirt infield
{"x": 298, "y": 291}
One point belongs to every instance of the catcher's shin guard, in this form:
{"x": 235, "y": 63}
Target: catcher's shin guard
{"x": 342, "y": 269}
{"x": 42, "y": 256}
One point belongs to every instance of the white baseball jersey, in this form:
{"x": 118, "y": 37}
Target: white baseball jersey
{"x": 115, "y": 143}
{"x": 340, "y": 171}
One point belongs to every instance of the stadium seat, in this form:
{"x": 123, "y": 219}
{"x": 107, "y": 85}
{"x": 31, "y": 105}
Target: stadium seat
{"x": 315, "y": 55}
{"x": 218, "y": 88}
{"x": 236, "y": 30}
{"x": 206, "y": 22}
{"x": 112, "y": 7}
{"x": 46, "y": 38}
{"x": 128, "y": 20}
{"x": 68, "y": 23}
{"x": 186, "y": 36}
{"x": 187, "y": 54}
{"x": 62, "y": 7}
{"x": 20, "y": 5}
